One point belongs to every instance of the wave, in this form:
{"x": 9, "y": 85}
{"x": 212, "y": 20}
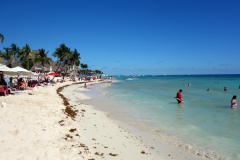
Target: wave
{"x": 130, "y": 79}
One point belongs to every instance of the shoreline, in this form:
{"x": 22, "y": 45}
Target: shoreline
{"x": 133, "y": 124}
{"x": 153, "y": 143}
{"x": 46, "y": 126}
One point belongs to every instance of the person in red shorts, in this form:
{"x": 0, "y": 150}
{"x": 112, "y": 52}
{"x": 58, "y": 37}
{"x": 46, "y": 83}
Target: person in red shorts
{"x": 179, "y": 97}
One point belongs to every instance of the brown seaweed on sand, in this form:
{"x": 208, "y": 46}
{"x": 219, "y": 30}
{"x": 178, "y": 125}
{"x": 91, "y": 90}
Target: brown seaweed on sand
{"x": 68, "y": 136}
{"x": 72, "y": 130}
{"x": 111, "y": 154}
{"x": 69, "y": 109}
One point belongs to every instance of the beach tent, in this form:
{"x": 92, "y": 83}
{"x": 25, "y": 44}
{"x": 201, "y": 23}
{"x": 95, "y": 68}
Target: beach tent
{"x": 22, "y": 71}
{"x": 7, "y": 70}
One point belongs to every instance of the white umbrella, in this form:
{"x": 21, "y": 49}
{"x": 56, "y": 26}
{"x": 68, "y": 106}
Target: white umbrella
{"x": 22, "y": 71}
{"x": 7, "y": 70}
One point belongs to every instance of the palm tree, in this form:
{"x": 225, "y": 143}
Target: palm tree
{"x": 1, "y": 38}
{"x": 7, "y": 54}
{"x": 84, "y": 66}
{"x": 14, "y": 50}
{"x": 27, "y": 53}
{"x": 41, "y": 57}
{"x": 1, "y": 53}
{"x": 74, "y": 58}
{"x": 62, "y": 54}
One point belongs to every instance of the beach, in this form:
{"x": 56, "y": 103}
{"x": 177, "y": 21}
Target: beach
{"x": 52, "y": 123}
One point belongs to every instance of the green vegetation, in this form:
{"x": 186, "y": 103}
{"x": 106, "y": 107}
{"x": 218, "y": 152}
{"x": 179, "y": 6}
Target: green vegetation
{"x": 1, "y": 38}
{"x": 7, "y": 54}
{"x": 41, "y": 57}
{"x": 25, "y": 55}
{"x": 66, "y": 58}
{"x": 84, "y": 67}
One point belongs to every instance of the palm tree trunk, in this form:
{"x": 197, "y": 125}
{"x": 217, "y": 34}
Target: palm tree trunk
{"x": 58, "y": 67}
{"x": 28, "y": 63}
{"x": 43, "y": 67}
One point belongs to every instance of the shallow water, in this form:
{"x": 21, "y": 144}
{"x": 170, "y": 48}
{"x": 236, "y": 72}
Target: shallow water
{"x": 206, "y": 122}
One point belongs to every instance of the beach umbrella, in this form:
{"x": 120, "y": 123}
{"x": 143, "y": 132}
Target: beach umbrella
{"x": 89, "y": 75}
{"x": 7, "y": 70}
{"x": 53, "y": 74}
{"x": 22, "y": 71}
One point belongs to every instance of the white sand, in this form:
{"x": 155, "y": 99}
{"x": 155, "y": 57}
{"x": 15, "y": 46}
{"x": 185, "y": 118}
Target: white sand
{"x": 35, "y": 127}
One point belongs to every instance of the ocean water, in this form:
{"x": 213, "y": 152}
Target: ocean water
{"x": 205, "y": 124}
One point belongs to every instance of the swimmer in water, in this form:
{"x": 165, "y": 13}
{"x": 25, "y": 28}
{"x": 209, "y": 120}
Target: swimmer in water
{"x": 234, "y": 102}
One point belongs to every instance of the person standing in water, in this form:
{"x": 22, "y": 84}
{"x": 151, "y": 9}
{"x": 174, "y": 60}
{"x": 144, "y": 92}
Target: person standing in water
{"x": 179, "y": 97}
{"x": 234, "y": 102}
{"x": 225, "y": 88}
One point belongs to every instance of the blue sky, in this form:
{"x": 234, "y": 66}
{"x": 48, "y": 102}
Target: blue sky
{"x": 122, "y": 37}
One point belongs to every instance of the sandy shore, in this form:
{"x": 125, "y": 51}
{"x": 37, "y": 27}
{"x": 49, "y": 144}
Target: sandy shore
{"x": 51, "y": 124}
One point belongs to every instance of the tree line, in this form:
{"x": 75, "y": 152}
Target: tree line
{"x": 66, "y": 58}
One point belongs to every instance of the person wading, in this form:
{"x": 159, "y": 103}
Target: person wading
{"x": 179, "y": 97}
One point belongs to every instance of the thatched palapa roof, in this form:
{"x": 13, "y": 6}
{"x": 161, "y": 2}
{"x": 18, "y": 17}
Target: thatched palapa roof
{"x": 2, "y": 61}
{"x": 38, "y": 66}
{"x": 47, "y": 67}
{"x": 13, "y": 62}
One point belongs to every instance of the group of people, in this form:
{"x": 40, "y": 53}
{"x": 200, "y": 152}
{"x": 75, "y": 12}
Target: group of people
{"x": 20, "y": 83}
{"x": 179, "y": 99}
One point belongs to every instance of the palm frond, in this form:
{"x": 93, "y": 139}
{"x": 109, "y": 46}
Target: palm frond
{"x": 1, "y": 38}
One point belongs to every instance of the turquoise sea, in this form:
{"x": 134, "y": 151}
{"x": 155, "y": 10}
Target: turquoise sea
{"x": 205, "y": 124}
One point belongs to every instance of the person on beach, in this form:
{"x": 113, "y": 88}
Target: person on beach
{"x": 225, "y": 88}
{"x": 46, "y": 77}
{"x": 234, "y": 102}
{"x": 179, "y": 97}
{"x": 189, "y": 84}
{"x": 11, "y": 82}
{"x": 208, "y": 90}
{"x": 85, "y": 86}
